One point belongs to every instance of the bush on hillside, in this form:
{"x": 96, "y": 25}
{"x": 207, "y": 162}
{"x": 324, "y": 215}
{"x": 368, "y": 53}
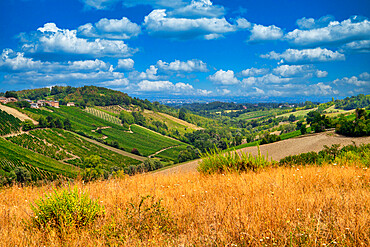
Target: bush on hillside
{"x": 215, "y": 161}
{"x": 65, "y": 210}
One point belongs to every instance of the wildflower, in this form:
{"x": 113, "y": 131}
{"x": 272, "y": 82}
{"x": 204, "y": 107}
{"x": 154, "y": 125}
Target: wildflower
{"x": 334, "y": 164}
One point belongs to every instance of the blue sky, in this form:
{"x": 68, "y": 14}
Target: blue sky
{"x": 252, "y": 50}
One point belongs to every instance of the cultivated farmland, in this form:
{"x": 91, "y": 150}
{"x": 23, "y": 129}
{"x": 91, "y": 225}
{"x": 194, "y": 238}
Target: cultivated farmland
{"x": 146, "y": 141}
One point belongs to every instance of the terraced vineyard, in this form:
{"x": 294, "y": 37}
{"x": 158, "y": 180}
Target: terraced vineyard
{"x": 11, "y": 151}
{"x": 39, "y": 146}
{"x": 81, "y": 120}
{"x": 9, "y": 123}
{"x": 81, "y": 149}
{"x": 146, "y": 141}
{"x": 103, "y": 115}
{"x": 9, "y": 164}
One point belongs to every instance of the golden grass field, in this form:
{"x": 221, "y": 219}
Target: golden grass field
{"x": 300, "y": 206}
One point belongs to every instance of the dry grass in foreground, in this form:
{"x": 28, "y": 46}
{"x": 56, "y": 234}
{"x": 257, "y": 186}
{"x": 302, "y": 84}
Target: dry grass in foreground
{"x": 305, "y": 206}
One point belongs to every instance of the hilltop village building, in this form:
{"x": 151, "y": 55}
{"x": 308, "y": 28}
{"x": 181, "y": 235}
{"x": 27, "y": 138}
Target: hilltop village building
{"x": 38, "y": 104}
{"x": 4, "y": 100}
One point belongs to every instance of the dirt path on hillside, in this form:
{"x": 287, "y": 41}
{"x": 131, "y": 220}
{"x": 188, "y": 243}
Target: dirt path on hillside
{"x": 162, "y": 150}
{"x": 119, "y": 151}
{"x": 281, "y": 149}
{"x": 16, "y": 113}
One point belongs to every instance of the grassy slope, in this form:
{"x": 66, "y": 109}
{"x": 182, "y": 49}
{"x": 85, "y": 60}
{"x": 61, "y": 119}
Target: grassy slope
{"x": 309, "y": 206}
{"x": 10, "y": 150}
{"x": 171, "y": 122}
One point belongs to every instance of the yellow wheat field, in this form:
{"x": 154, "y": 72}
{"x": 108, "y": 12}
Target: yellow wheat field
{"x": 305, "y": 206}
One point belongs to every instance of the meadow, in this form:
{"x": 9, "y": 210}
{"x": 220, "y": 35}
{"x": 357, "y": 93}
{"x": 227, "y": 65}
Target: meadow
{"x": 296, "y": 206}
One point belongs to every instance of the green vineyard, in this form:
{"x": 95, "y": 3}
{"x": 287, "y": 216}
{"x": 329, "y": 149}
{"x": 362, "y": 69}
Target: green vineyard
{"x": 11, "y": 151}
{"x": 39, "y": 146}
{"x": 8, "y": 123}
{"x": 7, "y": 165}
{"x": 103, "y": 115}
{"x": 80, "y": 148}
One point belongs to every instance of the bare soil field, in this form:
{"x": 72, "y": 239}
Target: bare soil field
{"x": 16, "y": 113}
{"x": 281, "y": 149}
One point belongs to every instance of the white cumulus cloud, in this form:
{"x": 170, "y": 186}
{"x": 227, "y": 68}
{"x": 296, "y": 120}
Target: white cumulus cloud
{"x": 352, "y": 29}
{"x": 164, "y": 86}
{"x": 306, "y": 56}
{"x": 51, "y": 39}
{"x": 181, "y": 66}
{"x": 125, "y": 64}
{"x": 110, "y": 29}
{"x": 263, "y": 33}
{"x": 254, "y": 72}
{"x": 199, "y": 8}
{"x": 224, "y": 77}
{"x": 158, "y": 24}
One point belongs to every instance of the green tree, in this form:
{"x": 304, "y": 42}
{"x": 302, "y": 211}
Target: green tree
{"x": 27, "y": 125}
{"x": 182, "y": 114}
{"x": 11, "y": 94}
{"x": 303, "y": 129}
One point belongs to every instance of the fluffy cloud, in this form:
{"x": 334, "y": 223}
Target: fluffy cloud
{"x": 298, "y": 71}
{"x": 254, "y": 72}
{"x": 266, "y": 79}
{"x": 203, "y": 92}
{"x": 164, "y": 86}
{"x": 321, "y": 74}
{"x": 110, "y": 29}
{"x": 305, "y": 56}
{"x": 88, "y": 65}
{"x": 15, "y": 61}
{"x": 362, "y": 46}
{"x": 180, "y": 66}
{"x": 125, "y": 64}
{"x": 150, "y": 74}
{"x": 364, "y": 76}
{"x": 291, "y": 70}
{"x": 311, "y": 23}
{"x": 320, "y": 89}
{"x": 51, "y": 39}
{"x": 224, "y": 77}
{"x": 263, "y": 33}
{"x": 362, "y": 80}
{"x": 199, "y": 8}
{"x": 158, "y": 24}
{"x": 356, "y": 28}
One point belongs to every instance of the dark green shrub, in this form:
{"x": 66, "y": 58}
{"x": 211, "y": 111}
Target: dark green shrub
{"x": 65, "y": 210}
